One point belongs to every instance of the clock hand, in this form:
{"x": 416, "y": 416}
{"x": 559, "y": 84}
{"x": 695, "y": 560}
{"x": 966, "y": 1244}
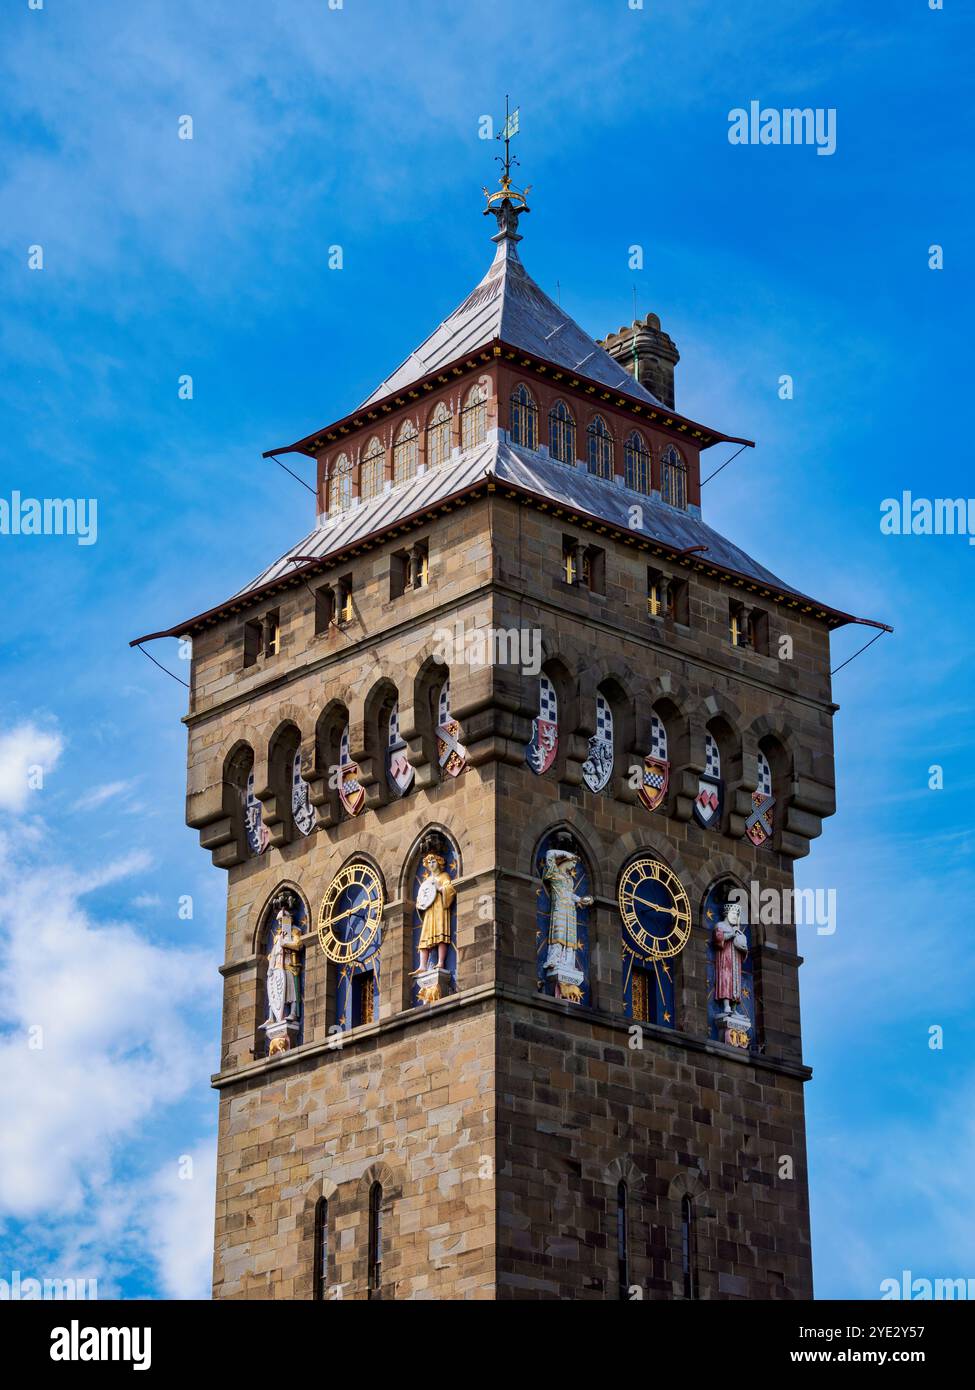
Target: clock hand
{"x": 656, "y": 907}
{"x": 351, "y": 912}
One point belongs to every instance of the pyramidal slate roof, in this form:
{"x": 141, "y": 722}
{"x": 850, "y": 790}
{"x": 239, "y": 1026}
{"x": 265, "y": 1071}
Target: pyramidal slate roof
{"x": 507, "y": 304}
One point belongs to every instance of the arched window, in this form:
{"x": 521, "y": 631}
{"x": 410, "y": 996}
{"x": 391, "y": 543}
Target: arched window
{"x": 600, "y": 449}
{"x": 622, "y": 1244}
{"x": 404, "y": 453}
{"x": 473, "y": 419}
{"x": 688, "y": 1246}
{"x": 524, "y": 418}
{"x": 673, "y": 478}
{"x": 636, "y": 463}
{"x": 438, "y": 436}
{"x": 321, "y": 1249}
{"x": 340, "y": 485}
{"x": 375, "y": 1278}
{"x": 561, "y": 433}
{"x": 372, "y": 472}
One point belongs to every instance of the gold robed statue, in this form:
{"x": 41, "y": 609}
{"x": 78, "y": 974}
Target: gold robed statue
{"x": 434, "y": 899}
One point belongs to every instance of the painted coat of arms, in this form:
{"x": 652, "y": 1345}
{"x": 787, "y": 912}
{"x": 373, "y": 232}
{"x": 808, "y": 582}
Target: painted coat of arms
{"x": 302, "y": 811}
{"x": 540, "y": 753}
{"x": 399, "y": 769}
{"x": 598, "y": 767}
{"x": 451, "y": 753}
{"x": 351, "y": 792}
{"x": 258, "y": 837}
{"x": 656, "y": 768}
{"x": 710, "y": 788}
{"x": 758, "y": 826}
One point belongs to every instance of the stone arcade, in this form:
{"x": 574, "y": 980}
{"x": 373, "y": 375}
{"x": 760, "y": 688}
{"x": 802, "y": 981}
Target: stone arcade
{"x": 490, "y": 1028}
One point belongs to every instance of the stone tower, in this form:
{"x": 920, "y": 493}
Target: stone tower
{"x": 488, "y": 758}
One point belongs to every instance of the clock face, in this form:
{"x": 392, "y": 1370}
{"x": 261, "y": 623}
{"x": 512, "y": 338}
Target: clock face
{"x": 656, "y": 910}
{"x": 351, "y": 914}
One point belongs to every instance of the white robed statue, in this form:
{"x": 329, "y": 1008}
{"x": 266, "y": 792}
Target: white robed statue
{"x": 559, "y": 877}
{"x": 284, "y": 970}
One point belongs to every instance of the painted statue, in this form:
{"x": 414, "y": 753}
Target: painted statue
{"x": 559, "y": 877}
{"x": 284, "y": 970}
{"x": 730, "y": 950}
{"x": 433, "y": 900}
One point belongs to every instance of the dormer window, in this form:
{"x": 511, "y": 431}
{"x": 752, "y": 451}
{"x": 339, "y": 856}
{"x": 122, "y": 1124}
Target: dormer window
{"x": 404, "y": 453}
{"x": 524, "y": 418}
{"x": 561, "y": 433}
{"x": 673, "y": 478}
{"x": 636, "y": 463}
{"x": 372, "y": 472}
{"x": 438, "y": 436}
{"x": 473, "y": 419}
{"x": 600, "y": 448}
{"x": 340, "y": 485}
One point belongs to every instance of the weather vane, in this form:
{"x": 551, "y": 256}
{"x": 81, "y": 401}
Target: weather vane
{"x": 507, "y": 193}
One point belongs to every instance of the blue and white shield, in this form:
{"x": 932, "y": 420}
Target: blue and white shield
{"x": 598, "y": 767}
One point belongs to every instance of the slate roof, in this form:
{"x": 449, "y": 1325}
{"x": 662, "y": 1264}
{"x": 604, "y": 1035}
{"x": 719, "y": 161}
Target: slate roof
{"x": 571, "y": 488}
{"x": 508, "y": 305}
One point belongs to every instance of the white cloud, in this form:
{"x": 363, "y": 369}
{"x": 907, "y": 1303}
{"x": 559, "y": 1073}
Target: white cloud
{"x": 106, "y": 792}
{"x": 179, "y": 1209}
{"x": 102, "y": 1032}
{"x": 96, "y": 1035}
{"x": 27, "y": 754}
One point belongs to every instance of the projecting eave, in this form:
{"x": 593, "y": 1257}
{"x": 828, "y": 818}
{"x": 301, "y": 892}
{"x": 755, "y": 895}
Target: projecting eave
{"x": 648, "y": 411}
{"x": 571, "y": 494}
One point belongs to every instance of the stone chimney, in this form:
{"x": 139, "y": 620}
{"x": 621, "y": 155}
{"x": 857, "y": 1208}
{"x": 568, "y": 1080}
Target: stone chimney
{"x": 645, "y": 347}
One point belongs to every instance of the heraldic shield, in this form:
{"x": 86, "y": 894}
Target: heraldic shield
{"x": 399, "y": 769}
{"x": 656, "y": 780}
{"x": 540, "y": 753}
{"x": 598, "y": 767}
{"x": 758, "y": 826}
{"x": 451, "y": 753}
{"x": 656, "y": 768}
{"x": 351, "y": 792}
{"x": 710, "y": 788}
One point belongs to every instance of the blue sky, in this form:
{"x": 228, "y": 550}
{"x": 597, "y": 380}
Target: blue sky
{"x": 162, "y": 257}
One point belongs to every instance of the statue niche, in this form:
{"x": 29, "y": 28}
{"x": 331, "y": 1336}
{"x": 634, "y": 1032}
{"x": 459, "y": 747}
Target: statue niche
{"x": 282, "y": 944}
{"x": 731, "y": 980}
{"x": 435, "y": 920}
{"x": 562, "y": 919}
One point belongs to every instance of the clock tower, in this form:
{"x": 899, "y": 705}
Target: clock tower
{"x": 499, "y": 760}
